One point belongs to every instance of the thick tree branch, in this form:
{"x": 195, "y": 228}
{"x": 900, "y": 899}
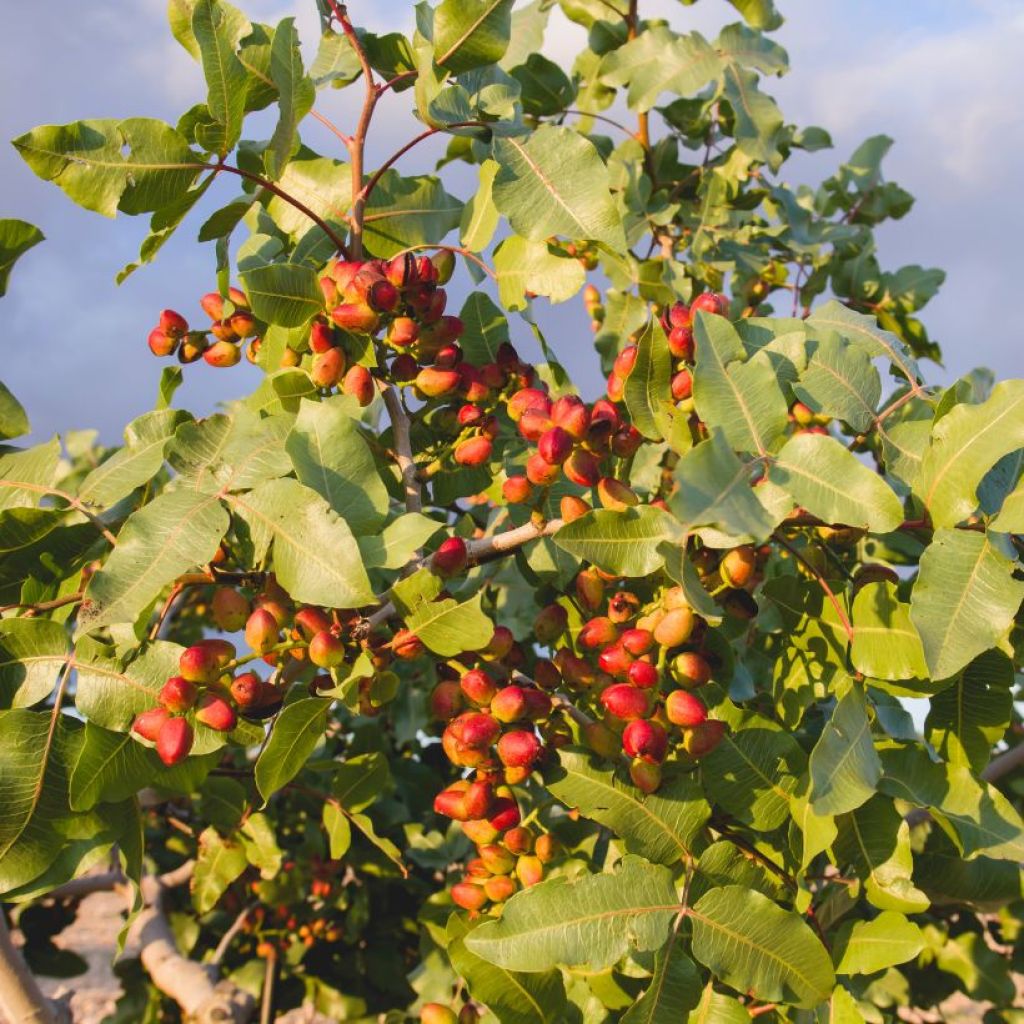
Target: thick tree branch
{"x": 403, "y": 447}
{"x": 21, "y": 999}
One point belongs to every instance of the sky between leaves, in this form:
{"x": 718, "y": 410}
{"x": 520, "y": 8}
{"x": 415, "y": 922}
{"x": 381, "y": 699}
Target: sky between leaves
{"x": 942, "y": 77}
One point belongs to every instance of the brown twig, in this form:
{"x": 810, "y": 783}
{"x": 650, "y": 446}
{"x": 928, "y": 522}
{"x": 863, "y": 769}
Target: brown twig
{"x": 357, "y": 143}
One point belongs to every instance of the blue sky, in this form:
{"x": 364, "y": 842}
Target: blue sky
{"x": 942, "y": 77}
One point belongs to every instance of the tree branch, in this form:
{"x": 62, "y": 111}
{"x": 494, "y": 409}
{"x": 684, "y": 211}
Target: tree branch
{"x": 403, "y": 447}
{"x": 21, "y": 998}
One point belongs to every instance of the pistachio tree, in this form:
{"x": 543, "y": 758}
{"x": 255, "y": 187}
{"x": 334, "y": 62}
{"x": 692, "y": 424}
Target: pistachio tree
{"x": 415, "y": 684}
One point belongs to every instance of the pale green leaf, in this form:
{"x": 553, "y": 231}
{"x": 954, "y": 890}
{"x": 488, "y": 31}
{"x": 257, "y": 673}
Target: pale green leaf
{"x": 625, "y": 543}
{"x": 448, "y": 628}
{"x": 219, "y": 862}
{"x": 831, "y": 483}
{"x": 471, "y": 33}
{"x": 863, "y": 947}
{"x": 715, "y": 490}
{"x": 555, "y": 183}
{"x": 515, "y": 997}
{"x": 136, "y": 166}
{"x": 755, "y": 946}
{"x": 536, "y": 268}
{"x": 647, "y": 392}
{"x": 662, "y": 826}
{"x": 840, "y": 381}
{"x": 295, "y": 735}
{"x": 592, "y": 919}
{"x": 970, "y": 717}
{"x": 174, "y": 533}
{"x": 844, "y": 765}
{"x": 315, "y": 555}
{"x": 32, "y": 653}
{"x": 226, "y": 78}
{"x": 743, "y": 399}
{"x": 885, "y": 643}
{"x": 658, "y": 60}
{"x": 964, "y": 600}
{"x": 286, "y": 294}
{"x": 331, "y": 456}
{"x": 403, "y": 212}
{"x": 965, "y": 444}
{"x": 16, "y": 238}
{"x": 674, "y": 988}
{"x": 295, "y": 95}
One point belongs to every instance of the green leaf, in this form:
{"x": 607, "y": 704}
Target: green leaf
{"x": 226, "y": 78}
{"x": 396, "y": 544}
{"x": 863, "y": 330}
{"x": 743, "y": 399}
{"x": 757, "y": 120}
{"x": 759, "y": 13}
{"x": 137, "y": 462}
{"x": 359, "y": 781}
{"x": 592, "y": 919}
{"x": 674, "y": 988}
{"x": 218, "y": 863}
{"x": 480, "y": 216}
{"x": 717, "y": 1008}
{"x": 296, "y": 732}
{"x": 625, "y": 543}
{"x": 885, "y": 643}
{"x": 110, "y": 766}
{"x": 555, "y": 183}
{"x": 295, "y": 95}
{"x": 874, "y": 841}
{"x": 13, "y": 418}
{"x": 661, "y": 827}
{"x": 485, "y": 328}
{"x": 965, "y": 444}
{"x": 471, "y": 33}
{"x": 331, "y": 457}
{"x": 754, "y": 49}
{"x": 964, "y": 599}
{"x": 863, "y": 947}
{"x": 27, "y": 475}
{"x": 35, "y": 760}
{"x": 979, "y": 818}
{"x": 752, "y": 774}
{"x": 448, "y": 628}
{"x": 136, "y": 166}
{"x": 174, "y": 533}
{"x": 286, "y": 294}
{"x": 321, "y": 184}
{"x": 545, "y": 89}
{"x": 536, "y": 268}
{"x": 260, "y": 845}
{"x": 388, "y": 848}
{"x": 755, "y": 946}
{"x": 840, "y": 381}
{"x": 1011, "y": 514}
{"x": 32, "y": 653}
{"x": 16, "y": 238}
{"x": 514, "y": 997}
{"x": 658, "y": 61}
{"x": 405, "y": 212}
{"x": 970, "y": 717}
{"x": 831, "y": 483}
{"x": 647, "y": 392}
{"x": 338, "y": 829}
{"x": 983, "y": 972}
{"x": 715, "y": 490}
{"x": 315, "y": 555}
{"x": 844, "y": 765}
